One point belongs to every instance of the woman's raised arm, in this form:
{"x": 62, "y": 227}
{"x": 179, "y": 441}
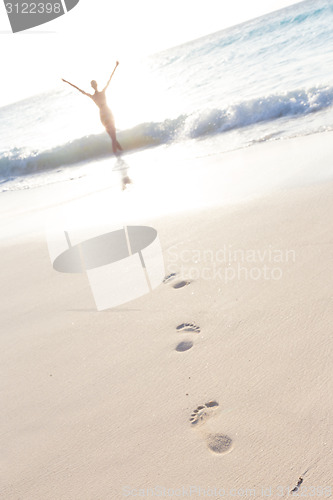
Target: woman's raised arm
{"x": 77, "y": 88}
{"x": 106, "y": 86}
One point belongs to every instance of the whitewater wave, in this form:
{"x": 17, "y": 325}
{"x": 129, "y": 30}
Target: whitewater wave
{"x": 199, "y": 124}
{"x": 272, "y": 107}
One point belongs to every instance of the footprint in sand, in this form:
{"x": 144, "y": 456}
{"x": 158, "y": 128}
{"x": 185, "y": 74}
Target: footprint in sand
{"x": 169, "y": 278}
{"x": 188, "y": 327}
{"x": 184, "y": 346}
{"x": 202, "y": 412}
{"x": 180, "y": 284}
{"x": 217, "y": 443}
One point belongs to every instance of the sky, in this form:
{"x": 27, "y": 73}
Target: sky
{"x": 91, "y": 37}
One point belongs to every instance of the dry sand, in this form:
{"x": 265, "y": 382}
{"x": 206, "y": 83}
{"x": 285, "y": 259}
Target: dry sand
{"x": 224, "y": 383}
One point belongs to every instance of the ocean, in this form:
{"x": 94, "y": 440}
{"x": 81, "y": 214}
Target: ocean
{"x": 268, "y": 79}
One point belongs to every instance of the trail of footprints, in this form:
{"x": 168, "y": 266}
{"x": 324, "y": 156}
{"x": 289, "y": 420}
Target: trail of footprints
{"x": 216, "y": 442}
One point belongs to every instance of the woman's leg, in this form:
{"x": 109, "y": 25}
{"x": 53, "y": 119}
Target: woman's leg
{"x": 115, "y": 144}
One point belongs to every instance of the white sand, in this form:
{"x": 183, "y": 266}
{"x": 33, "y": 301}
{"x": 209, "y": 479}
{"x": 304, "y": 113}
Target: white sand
{"x": 97, "y": 404}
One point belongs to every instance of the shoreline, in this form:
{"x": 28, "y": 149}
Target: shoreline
{"x": 180, "y": 183}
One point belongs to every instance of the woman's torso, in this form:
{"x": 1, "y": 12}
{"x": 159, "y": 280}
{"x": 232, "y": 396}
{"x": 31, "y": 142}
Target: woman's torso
{"x": 99, "y": 99}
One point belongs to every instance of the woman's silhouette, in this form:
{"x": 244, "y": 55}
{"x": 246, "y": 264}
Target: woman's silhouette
{"x": 106, "y": 115}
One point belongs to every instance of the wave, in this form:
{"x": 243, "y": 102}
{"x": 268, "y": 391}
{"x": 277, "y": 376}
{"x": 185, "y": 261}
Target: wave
{"x": 199, "y": 124}
{"x": 269, "y": 108}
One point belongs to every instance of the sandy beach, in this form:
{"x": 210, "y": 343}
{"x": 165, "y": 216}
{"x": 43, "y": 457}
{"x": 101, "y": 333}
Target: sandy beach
{"x": 219, "y": 388}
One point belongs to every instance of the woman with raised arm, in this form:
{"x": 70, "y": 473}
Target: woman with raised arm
{"x": 106, "y": 115}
